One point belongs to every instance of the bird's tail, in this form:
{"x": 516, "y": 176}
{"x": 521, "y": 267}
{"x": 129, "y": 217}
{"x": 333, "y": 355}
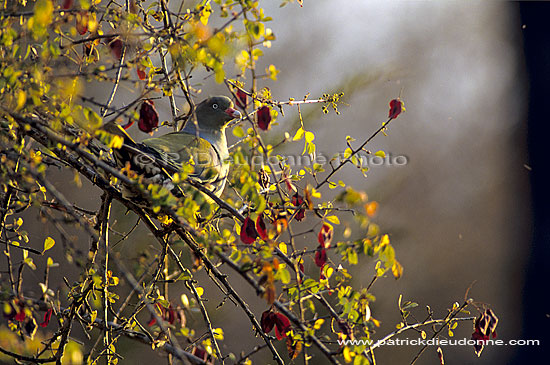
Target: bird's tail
{"x": 114, "y": 128}
{"x": 129, "y": 148}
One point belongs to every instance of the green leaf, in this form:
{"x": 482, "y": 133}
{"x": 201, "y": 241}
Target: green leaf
{"x": 256, "y": 29}
{"x": 353, "y": 315}
{"x": 184, "y": 276}
{"x": 284, "y": 275}
{"x": 387, "y": 255}
{"x": 164, "y": 303}
{"x": 409, "y": 305}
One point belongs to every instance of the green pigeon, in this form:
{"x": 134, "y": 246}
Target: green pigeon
{"x": 203, "y": 144}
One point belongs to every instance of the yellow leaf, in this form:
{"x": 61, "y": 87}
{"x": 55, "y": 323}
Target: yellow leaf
{"x": 299, "y": 134}
{"x": 310, "y": 137}
{"x": 93, "y": 316}
{"x": 347, "y": 152}
{"x": 347, "y": 354}
{"x": 333, "y": 219}
{"x": 318, "y": 323}
{"x": 205, "y": 14}
{"x": 315, "y": 193}
{"x": 184, "y": 300}
{"x": 218, "y": 334}
{"x": 238, "y": 132}
{"x": 48, "y": 243}
{"x": 272, "y": 70}
{"x": 397, "y": 270}
{"x": 219, "y": 73}
{"x": 242, "y": 58}
{"x": 380, "y": 154}
{"x": 328, "y": 271}
{"x": 200, "y": 291}
{"x": 92, "y": 23}
{"x": 237, "y": 227}
{"x": 166, "y": 220}
{"x": 373, "y": 229}
{"x": 21, "y": 99}
{"x": 43, "y": 10}
{"x": 116, "y": 142}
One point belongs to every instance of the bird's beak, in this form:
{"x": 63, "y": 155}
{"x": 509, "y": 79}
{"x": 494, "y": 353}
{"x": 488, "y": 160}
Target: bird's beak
{"x": 235, "y": 114}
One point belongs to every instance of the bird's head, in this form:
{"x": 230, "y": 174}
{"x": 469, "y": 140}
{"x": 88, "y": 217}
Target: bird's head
{"x": 214, "y": 113}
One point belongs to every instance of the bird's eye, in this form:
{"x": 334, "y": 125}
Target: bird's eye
{"x": 214, "y": 106}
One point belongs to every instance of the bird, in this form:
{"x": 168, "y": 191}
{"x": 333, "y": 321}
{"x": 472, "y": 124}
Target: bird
{"x": 201, "y": 142}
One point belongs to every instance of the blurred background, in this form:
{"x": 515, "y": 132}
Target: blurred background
{"x": 459, "y": 212}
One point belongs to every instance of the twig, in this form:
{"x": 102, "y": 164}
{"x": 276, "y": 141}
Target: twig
{"x": 281, "y": 307}
{"x": 105, "y": 110}
{"x": 3, "y": 215}
{"x": 191, "y": 286}
{"x": 104, "y": 234}
{"x": 30, "y": 359}
{"x": 48, "y": 135}
{"x": 353, "y": 153}
{"x": 223, "y": 279}
{"x": 30, "y": 249}
{"x": 448, "y": 319}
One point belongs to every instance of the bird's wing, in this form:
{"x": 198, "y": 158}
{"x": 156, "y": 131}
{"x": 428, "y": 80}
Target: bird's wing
{"x": 173, "y": 150}
{"x": 180, "y": 148}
